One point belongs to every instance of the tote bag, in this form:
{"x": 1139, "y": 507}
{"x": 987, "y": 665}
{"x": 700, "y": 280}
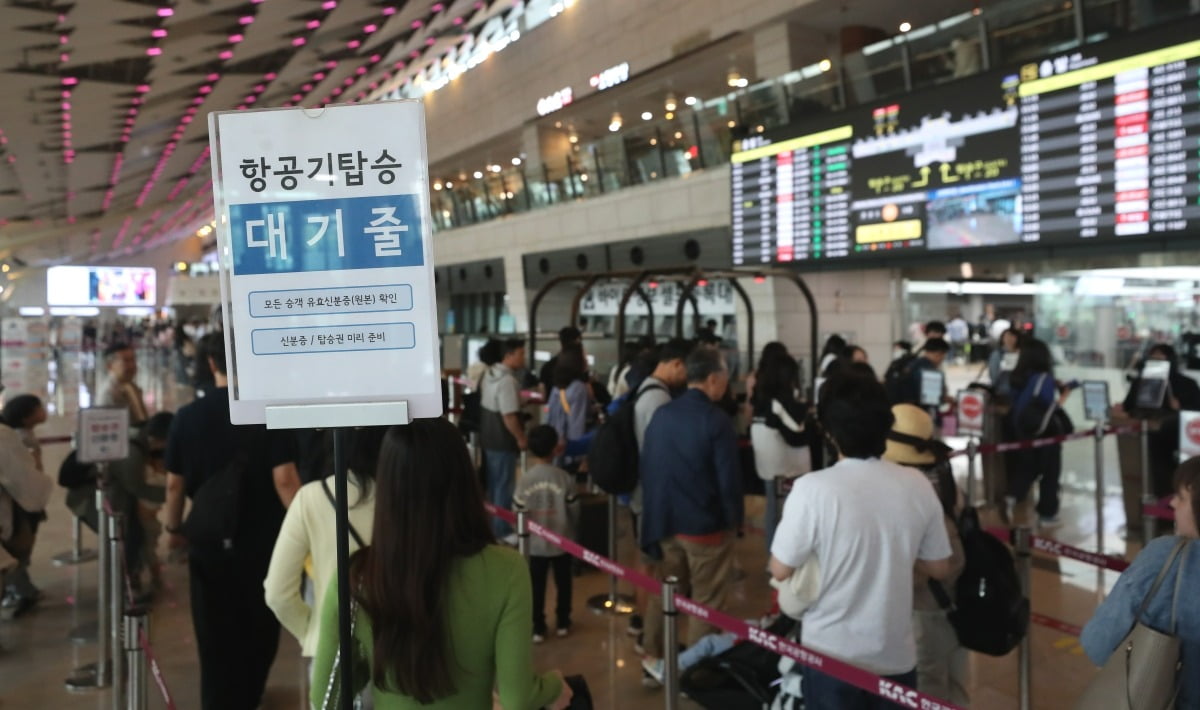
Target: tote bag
{"x": 1143, "y": 671}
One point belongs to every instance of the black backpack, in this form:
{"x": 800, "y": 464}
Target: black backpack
{"x": 613, "y": 455}
{"x": 990, "y": 614}
{"x": 73, "y": 474}
{"x": 216, "y": 505}
{"x": 898, "y": 379}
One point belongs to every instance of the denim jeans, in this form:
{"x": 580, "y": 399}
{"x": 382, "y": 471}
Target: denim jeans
{"x": 707, "y": 647}
{"x": 822, "y": 692}
{"x": 501, "y": 478}
{"x": 771, "y": 512}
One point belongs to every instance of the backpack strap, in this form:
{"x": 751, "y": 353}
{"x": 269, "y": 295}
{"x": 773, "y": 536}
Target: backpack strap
{"x": 940, "y": 595}
{"x": 353, "y": 533}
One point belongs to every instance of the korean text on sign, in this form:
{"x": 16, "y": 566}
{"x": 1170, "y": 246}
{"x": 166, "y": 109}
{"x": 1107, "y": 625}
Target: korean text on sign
{"x": 326, "y": 235}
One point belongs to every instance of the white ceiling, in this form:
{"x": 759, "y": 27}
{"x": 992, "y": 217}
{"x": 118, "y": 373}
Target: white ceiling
{"x": 122, "y": 194}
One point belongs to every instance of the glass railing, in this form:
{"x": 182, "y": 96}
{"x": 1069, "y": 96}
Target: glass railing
{"x": 700, "y": 136}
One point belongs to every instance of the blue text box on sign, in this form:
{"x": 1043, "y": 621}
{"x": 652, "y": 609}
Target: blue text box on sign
{"x": 331, "y": 301}
{"x": 326, "y": 235}
{"x": 333, "y": 339}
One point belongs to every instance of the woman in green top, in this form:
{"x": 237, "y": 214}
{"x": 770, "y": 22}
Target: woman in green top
{"x": 442, "y": 614}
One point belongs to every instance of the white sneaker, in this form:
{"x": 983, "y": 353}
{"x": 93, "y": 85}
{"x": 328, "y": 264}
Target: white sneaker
{"x": 652, "y": 673}
{"x": 538, "y": 638}
{"x": 1050, "y": 523}
{"x": 562, "y": 631}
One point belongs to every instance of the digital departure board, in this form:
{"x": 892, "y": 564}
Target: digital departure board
{"x": 1099, "y": 143}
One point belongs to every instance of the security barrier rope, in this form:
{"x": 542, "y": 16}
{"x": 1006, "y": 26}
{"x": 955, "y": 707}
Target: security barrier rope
{"x": 832, "y": 667}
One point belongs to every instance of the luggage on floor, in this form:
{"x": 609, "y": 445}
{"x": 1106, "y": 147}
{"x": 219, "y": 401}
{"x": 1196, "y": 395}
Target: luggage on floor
{"x": 743, "y": 678}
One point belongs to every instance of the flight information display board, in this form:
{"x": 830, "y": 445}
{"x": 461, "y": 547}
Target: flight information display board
{"x": 1100, "y": 143}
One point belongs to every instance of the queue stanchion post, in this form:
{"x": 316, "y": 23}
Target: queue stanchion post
{"x": 1149, "y": 523}
{"x": 670, "y": 643}
{"x": 1101, "y": 430}
{"x": 116, "y": 611}
{"x": 972, "y": 459}
{"x": 77, "y": 554}
{"x": 1023, "y": 544}
{"x": 612, "y": 602}
{"x": 93, "y": 676}
{"x": 135, "y": 659}
{"x": 523, "y": 534}
{"x": 90, "y": 631}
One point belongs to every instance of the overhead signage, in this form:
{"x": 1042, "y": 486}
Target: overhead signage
{"x": 1091, "y": 145}
{"x": 327, "y": 282}
{"x": 555, "y": 102}
{"x": 610, "y": 77}
{"x": 103, "y": 434}
{"x": 971, "y": 406}
{"x": 713, "y": 298}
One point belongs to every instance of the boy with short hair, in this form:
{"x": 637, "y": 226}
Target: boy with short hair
{"x": 547, "y": 494}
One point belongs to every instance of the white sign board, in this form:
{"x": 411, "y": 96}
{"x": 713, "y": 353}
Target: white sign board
{"x": 1095, "y": 400}
{"x": 327, "y": 280}
{"x": 931, "y": 388}
{"x": 103, "y": 434}
{"x": 971, "y": 407}
{"x": 714, "y": 298}
{"x": 1189, "y": 435}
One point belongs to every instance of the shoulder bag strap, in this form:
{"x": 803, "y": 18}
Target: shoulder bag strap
{"x": 353, "y": 533}
{"x": 1183, "y": 553}
{"x": 1159, "y": 580}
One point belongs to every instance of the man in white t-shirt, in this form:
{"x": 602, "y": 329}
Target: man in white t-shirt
{"x": 868, "y": 522}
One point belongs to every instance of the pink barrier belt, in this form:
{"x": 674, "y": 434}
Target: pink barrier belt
{"x": 1038, "y": 443}
{"x": 156, "y": 671}
{"x": 45, "y": 440}
{"x": 1161, "y": 510}
{"x": 832, "y": 667}
{"x": 1062, "y": 626}
{"x": 1058, "y": 549}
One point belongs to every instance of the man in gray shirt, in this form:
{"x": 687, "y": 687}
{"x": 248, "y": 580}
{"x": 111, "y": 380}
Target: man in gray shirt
{"x": 669, "y": 374}
{"x": 501, "y": 432}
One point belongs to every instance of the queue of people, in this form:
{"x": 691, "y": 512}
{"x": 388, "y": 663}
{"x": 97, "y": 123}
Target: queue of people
{"x": 446, "y": 615}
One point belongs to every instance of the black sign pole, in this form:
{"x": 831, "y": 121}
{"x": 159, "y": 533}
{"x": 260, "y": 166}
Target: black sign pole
{"x": 342, "y": 533}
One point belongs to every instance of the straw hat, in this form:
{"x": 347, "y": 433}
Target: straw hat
{"x": 914, "y": 424}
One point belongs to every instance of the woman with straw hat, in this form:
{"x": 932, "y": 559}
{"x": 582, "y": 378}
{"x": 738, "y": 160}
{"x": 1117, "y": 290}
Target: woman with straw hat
{"x": 941, "y": 660}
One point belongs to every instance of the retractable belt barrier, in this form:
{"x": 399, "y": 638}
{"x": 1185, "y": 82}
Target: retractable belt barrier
{"x": 134, "y": 691}
{"x": 1055, "y": 548}
{"x": 852, "y": 675}
{"x": 1002, "y": 447}
{"x": 1055, "y": 624}
{"x": 1160, "y": 510}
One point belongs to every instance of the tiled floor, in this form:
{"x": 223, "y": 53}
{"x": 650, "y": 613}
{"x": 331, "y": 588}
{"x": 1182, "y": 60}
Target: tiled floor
{"x": 36, "y": 655}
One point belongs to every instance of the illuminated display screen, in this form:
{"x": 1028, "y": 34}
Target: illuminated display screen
{"x": 1100, "y": 143}
{"x": 100, "y": 286}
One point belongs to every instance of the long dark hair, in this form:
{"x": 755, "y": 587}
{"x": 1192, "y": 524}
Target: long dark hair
{"x": 777, "y": 377}
{"x": 570, "y": 366}
{"x": 428, "y": 513}
{"x": 1033, "y": 359}
{"x": 363, "y": 461}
